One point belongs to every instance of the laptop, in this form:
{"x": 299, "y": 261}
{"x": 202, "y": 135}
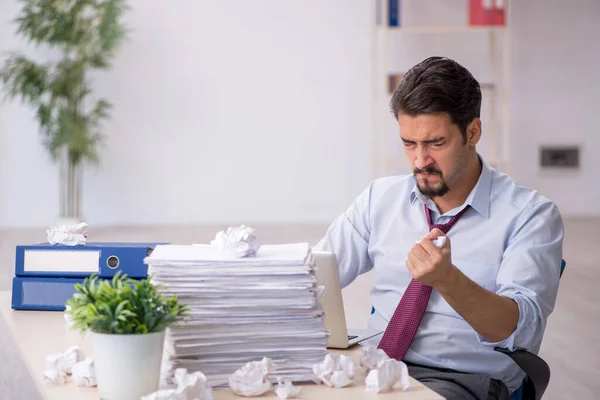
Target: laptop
{"x": 331, "y": 300}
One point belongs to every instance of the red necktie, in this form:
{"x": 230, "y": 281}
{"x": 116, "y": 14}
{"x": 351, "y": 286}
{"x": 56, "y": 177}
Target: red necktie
{"x": 406, "y": 319}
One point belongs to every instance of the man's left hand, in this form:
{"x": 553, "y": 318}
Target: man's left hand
{"x": 428, "y": 264}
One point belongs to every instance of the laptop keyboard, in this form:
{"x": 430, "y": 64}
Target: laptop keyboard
{"x": 351, "y": 337}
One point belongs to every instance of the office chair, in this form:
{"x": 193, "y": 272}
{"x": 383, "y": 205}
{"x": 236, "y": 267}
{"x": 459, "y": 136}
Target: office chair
{"x": 536, "y": 369}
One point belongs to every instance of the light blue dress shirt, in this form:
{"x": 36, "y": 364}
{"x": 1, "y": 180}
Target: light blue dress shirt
{"x": 509, "y": 242}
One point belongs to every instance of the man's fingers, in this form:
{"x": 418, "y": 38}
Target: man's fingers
{"x": 432, "y": 247}
{"x": 420, "y": 253}
{"x": 411, "y": 266}
{"x": 434, "y": 234}
{"x": 428, "y": 246}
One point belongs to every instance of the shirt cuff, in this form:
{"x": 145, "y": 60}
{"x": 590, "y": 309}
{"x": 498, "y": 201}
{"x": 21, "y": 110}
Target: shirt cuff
{"x": 524, "y": 323}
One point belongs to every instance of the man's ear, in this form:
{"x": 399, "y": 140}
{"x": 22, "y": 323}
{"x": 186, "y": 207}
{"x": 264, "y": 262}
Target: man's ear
{"x": 474, "y": 132}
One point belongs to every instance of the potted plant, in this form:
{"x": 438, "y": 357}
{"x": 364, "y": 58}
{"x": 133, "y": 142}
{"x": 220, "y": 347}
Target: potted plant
{"x": 81, "y": 36}
{"x": 127, "y": 319}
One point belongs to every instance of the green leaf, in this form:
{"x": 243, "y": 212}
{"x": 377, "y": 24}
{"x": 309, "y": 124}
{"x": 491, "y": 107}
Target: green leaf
{"x": 123, "y": 305}
{"x": 86, "y": 35}
{"x": 24, "y": 79}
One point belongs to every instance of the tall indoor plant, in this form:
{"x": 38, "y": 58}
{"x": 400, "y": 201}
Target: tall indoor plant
{"x": 83, "y": 36}
{"x": 127, "y": 319}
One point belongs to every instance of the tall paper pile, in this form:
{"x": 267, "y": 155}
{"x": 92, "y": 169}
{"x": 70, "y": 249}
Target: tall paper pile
{"x": 242, "y": 309}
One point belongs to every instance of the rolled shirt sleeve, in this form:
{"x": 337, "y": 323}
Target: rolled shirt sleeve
{"x": 530, "y": 273}
{"x": 348, "y": 238}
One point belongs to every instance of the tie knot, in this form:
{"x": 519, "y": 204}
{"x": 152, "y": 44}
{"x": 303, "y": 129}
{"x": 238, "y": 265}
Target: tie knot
{"x": 443, "y": 227}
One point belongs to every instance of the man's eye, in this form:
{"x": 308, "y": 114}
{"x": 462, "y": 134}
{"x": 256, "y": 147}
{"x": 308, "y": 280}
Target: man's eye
{"x": 439, "y": 144}
{"x": 408, "y": 144}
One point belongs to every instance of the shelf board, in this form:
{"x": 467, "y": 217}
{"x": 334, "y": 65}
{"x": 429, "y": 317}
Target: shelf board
{"x": 441, "y": 28}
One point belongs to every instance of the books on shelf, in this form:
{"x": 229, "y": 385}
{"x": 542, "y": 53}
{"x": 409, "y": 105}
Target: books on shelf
{"x": 486, "y": 12}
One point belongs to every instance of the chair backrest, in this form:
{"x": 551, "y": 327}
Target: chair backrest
{"x": 528, "y": 390}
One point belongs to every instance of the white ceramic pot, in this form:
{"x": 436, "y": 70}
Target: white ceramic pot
{"x": 127, "y": 366}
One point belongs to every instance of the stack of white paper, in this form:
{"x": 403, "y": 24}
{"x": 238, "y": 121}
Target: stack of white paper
{"x": 242, "y": 309}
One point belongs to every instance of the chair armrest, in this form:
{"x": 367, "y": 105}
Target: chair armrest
{"x": 535, "y": 367}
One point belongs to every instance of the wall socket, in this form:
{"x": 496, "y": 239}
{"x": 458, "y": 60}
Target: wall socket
{"x": 559, "y": 157}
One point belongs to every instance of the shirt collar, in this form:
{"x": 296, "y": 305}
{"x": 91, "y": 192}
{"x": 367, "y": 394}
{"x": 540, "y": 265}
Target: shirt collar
{"x": 478, "y": 199}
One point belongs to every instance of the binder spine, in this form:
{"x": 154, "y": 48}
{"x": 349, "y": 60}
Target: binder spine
{"x": 42, "y": 294}
{"x": 129, "y": 261}
{"x": 103, "y": 261}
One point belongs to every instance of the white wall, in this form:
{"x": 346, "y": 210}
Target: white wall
{"x": 225, "y": 112}
{"x": 237, "y": 111}
{"x": 556, "y": 97}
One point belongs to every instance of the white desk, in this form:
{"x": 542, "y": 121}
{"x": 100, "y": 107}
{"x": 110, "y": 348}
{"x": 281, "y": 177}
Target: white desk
{"x": 39, "y": 333}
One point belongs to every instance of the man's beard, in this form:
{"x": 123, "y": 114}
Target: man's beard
{"x": 432, "y": 191}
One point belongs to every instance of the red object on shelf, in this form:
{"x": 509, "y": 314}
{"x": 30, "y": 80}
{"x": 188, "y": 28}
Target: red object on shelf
{"x": 486, "y": 12}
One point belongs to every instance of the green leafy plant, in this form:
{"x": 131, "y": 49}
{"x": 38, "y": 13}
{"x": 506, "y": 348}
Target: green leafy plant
{"x": 86, "y": 34}
{"x": 123, "y": 306}
{"x": 78, "y": 37}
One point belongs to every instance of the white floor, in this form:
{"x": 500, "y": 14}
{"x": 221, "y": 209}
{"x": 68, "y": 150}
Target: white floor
{"x": 570, "y": 346}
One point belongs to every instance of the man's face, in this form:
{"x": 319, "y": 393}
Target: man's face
{"x": 436, "y": 150}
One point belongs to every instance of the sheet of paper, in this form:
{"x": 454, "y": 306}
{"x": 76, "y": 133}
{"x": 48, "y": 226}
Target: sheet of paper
{"x": 279, "y": 253}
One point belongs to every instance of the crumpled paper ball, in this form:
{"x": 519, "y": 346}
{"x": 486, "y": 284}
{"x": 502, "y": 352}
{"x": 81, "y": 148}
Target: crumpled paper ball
{"x": 69, "y": 235}
{"x": 337, "y": 370}
{"x": 286, "y": 390}
{"x": 370, "y": 357}
{"x": 253, "y": 378}
{"x": 59, "y": 365}
{"x": 439, "y": 242}
{"x": 192, "y": 386}
{"x": 237, "y": 242}
{"x": 386, "y": 375}
{"x": 384, "y": 372}
{"x": 66, "y": 360}
{"x": 54, "y": 375}
{"x": 84, "y": 373}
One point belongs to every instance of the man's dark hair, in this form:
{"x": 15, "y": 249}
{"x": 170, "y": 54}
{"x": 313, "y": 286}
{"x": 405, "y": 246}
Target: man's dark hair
{"x": 439, "y": 84}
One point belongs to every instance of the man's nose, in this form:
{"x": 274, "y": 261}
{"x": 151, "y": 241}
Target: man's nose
{"x": 422, "y": 160}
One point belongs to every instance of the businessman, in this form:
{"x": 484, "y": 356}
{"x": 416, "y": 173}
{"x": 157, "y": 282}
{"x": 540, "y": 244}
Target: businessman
{"x": 495, "y": 279}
